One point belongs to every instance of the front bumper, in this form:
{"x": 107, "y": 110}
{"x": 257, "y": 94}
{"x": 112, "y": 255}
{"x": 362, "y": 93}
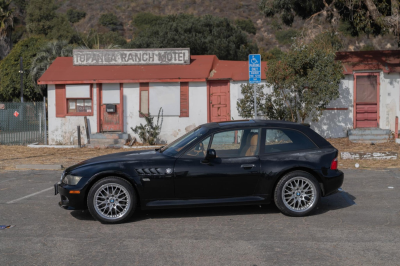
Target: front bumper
{"x": 70, "y": 201}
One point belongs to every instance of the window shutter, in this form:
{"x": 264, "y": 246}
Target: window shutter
{"x": 144, "y": 99}
{"x": 184, "y": 99}
{"x": 61, "y": 101}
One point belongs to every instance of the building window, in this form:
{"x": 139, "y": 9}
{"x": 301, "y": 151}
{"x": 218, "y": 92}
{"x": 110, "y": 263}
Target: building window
{"x": 79, "y": 99}
{"x": 79, "y": 106}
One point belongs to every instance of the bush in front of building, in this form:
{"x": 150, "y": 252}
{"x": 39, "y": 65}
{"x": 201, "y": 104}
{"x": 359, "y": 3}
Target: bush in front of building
{"x": 149, "y": 132}
{"x": 206, "y": 35}
{"x": 9, "y": 71}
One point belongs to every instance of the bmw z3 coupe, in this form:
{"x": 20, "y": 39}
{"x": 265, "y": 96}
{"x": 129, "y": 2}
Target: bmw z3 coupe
{"x": 226, "y": 163}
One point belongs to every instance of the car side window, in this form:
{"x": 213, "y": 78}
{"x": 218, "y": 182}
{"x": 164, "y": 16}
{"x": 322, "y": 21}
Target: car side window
{"x": 199, "y": 150}
{"x": 283, "y": 140}
{"x": 236, "y": 143}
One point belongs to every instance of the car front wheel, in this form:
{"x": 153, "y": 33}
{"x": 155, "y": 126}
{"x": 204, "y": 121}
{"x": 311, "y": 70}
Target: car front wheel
{"x": 112, "y": 200}
{"x": 297, "y": 193}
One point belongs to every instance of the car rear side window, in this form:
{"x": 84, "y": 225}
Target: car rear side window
{"x": 284, "y": 140}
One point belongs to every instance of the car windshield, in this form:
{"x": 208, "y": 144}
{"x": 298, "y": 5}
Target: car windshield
{"x": 177, "y": 145}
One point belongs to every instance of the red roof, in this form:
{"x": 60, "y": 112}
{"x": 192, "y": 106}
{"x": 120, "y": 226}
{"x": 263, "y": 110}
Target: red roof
{"x": 235, "y": 70}
{"x": 387, "y": 61}
{"x": 201, "y": 68}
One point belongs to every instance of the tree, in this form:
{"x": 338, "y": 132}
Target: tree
{"x": 6, "y": 25}
{"x": 110, "y": 21}
{"x": 45, "y": 57}
{"x": 246, "y": 25}
{"x": 9, "y": 71}
{"x": 75, "y": 15}
{"x": 245, "y": 105}
{"x": 203, "y": 35}
{"x": 95, "y": 40}
{"x": 368, "y": 16}
{"x": 40, "y": 15}
{"x": 304, "y": 80}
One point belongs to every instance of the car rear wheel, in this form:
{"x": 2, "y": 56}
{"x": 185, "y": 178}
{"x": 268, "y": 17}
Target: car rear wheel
{"x": 112, "y": 200}
{"x": 297, "y": 194}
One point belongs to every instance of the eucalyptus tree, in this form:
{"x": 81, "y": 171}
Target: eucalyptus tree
{"x": 6, "y": 25}
{"x": 45, "y": 57}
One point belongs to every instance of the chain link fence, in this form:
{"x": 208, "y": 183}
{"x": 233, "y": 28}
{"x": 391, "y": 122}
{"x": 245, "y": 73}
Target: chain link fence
{"x": 22, "y": 123}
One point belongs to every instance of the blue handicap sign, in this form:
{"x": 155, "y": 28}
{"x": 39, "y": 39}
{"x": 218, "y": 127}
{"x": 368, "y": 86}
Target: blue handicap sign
{"x": 254, "y": 68}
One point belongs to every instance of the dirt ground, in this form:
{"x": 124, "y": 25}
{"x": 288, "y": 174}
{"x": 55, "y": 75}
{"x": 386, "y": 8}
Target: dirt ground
{"x": 10, "y": 156}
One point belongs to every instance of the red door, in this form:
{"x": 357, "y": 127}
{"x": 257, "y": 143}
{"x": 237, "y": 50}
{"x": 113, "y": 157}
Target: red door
{"x": 219, "y": 105}
{"x": 111, "y": 121}
{"x": 366, "y": 100}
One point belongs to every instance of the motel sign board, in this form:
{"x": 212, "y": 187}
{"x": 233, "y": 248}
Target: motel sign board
{"x": 119, "y": 57}
{"x": 254, "y": 68}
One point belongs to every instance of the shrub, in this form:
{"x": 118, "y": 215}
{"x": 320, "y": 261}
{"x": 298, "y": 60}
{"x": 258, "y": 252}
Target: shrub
{"x": 207, "y": 35}
{"x": 75, "y": 15}
{"x": 9, "y": 71}
{"x": 110, "y": 21}
{"x": 246, "y": 25}
{"x": 286, "y": 36}
{"x": 368, "y": 47}
{"x": 149, "y": 132}
{"x": 143, "y": 20}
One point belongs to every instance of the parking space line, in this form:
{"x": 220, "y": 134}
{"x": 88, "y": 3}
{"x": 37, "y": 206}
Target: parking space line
{"x": 7, "y": 180}
{"x": 30, "y": 195}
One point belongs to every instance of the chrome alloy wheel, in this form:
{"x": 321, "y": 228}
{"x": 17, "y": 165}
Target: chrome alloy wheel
{"x": 298, "y": 194}
{"x": 111, "y": 201}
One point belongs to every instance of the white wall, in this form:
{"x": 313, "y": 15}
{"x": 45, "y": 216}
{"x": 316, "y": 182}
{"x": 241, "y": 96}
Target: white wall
{"x": 389, "y": 100}
{"x": 63, "y": 130}
{"x": 335, "y": 123}
{"x": 173, "y": 126}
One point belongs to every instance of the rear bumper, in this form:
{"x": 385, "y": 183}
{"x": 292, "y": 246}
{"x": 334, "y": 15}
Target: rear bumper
{"x": 332, "y": 182}
{"x": 70, "y": 201}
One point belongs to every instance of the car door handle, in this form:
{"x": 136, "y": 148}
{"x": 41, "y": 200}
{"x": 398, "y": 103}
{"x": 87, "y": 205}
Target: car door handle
{"x": 247, "y": 166}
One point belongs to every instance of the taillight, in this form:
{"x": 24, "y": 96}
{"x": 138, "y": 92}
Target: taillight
{"x": 334, "y": 164}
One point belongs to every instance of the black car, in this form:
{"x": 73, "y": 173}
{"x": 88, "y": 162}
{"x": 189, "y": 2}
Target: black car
{"x": 226, "y": 163}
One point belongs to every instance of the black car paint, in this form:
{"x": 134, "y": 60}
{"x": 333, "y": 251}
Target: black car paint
{"x": 221, "y": 181}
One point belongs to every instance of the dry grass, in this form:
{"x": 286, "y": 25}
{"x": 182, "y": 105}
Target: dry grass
{"x": 343, "y": 144}
{"x": 10, "y": 156}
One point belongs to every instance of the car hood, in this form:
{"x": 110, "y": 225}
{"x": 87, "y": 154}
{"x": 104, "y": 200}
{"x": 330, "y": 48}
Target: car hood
{"x": 144, "y": 155}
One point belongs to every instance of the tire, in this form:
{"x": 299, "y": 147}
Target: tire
{"x": 112, "y": 200}
{"x": 302, "y": 194}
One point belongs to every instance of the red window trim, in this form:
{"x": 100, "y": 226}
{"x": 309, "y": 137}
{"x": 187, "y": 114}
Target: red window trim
{"x": 184, "y": 105}
{"x": 80, "y": 114}
{"x": 144, "y": 87}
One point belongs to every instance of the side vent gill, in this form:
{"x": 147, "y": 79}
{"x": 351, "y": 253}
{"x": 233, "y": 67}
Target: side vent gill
{"x": 149, "y": 171}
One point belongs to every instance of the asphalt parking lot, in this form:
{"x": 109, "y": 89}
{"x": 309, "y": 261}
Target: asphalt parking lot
{"x": 360, "y": 226}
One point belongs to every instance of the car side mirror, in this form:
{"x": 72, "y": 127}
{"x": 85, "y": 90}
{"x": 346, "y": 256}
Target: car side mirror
{"x": 211, "y": 154}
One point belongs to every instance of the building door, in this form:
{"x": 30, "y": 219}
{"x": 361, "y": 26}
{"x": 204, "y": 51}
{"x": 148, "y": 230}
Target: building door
{"x": 219, "y": 101}
{"x": 366, "y": 100}
{"x": 111, "y": 110}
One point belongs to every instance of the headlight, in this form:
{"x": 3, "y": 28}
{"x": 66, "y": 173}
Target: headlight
{"x": 71, "y": 180}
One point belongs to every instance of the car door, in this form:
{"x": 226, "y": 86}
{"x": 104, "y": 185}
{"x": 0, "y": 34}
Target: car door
{"x": 234, "y": 173}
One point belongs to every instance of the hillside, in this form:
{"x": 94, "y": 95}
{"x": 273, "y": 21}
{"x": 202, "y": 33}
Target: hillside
{"x": 270, "y": 31}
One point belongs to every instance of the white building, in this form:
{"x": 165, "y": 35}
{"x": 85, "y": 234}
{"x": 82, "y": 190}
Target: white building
{"x": 200, "y": 90}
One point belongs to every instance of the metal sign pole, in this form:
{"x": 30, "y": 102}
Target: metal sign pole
{"x": 21, "y": 72}
{"x": 255, "y": 76}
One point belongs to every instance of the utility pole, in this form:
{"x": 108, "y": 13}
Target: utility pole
{"x": 21, "y": 73}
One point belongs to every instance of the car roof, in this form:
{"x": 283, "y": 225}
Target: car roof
{"x": 305, "y": 128}
{"x": 251, "y": 123}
